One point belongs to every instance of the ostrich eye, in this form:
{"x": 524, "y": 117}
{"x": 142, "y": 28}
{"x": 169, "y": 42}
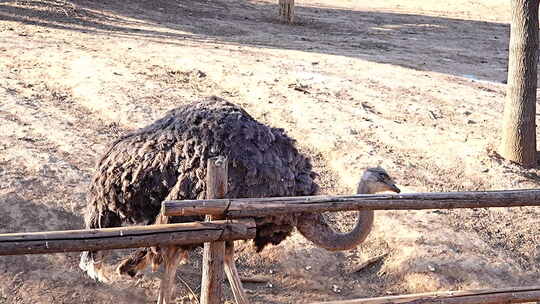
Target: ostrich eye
{"x": 384, "y": 176}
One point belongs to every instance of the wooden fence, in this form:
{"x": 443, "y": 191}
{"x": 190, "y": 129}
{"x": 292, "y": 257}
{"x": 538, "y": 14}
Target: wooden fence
{"x": 125, "y": 237}
{"x": 485, "y": 296}
{"x": 249, "y": 207}
{"x": 232, "y": 219}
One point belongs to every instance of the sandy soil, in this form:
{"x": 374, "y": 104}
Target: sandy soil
{"x": 414, "y": 86}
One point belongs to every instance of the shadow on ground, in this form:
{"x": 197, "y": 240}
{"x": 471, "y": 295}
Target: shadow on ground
{"x": 20, "y": 214}
{"x": 467, "y": 48}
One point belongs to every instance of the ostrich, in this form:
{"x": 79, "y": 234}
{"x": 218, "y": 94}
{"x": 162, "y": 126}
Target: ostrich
{"x": 167, "y": 161}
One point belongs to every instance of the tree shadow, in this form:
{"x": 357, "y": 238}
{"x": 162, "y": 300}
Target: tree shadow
{"x": 23, "y": 215}
{"x": 473, "y": 49}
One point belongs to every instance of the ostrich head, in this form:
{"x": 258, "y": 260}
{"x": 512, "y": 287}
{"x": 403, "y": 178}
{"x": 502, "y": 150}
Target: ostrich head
{"x": 314, "y": 227}
{"x": 375, "y": 180}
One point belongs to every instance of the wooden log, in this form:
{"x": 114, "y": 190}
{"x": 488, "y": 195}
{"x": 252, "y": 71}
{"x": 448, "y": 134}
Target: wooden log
{"x": 368, "y": 263}
{"x": 250, "y": 207}
{"x": 125, "y": 237}
{"x": 485, "y": 296}
{"x": 256, "y": 279}
{"x": 213, "y": 253}
{"x": 232, "y": 275}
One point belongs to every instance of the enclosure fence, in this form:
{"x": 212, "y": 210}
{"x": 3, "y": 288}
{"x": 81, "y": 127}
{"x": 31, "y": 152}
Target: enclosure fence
{"x": 233, "y": 219}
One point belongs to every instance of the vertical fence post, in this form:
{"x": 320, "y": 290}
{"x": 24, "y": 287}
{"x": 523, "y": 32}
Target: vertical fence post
{"x": 212, "y": 277}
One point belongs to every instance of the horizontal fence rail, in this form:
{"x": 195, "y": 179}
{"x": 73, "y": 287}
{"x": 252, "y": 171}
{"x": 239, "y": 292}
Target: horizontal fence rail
{"x": 126, "y": 237}
{"x": 249, "y": 207}
{"x": 485, "y": 296}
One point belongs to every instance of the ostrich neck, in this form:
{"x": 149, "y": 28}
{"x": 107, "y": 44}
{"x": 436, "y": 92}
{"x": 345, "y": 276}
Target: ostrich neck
{"x": 364, "y": 223}
{"x": 363, "y": 188}
{"x": 314, "y": 227}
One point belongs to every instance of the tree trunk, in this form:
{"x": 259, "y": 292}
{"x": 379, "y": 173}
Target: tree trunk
{"x": 286, "y": 11}
{"x": 519, "y": 126}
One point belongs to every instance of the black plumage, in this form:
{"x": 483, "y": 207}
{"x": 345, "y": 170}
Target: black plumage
{"x": 167, "y": 160}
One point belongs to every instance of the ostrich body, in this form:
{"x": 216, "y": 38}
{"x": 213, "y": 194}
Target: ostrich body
{"x": 167, "y": 161}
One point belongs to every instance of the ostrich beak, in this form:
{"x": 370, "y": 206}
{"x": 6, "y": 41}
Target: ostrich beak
{"x": 393, "y": 187}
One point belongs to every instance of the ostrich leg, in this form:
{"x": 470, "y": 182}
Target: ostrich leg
{"x": 172, "y": 257}
{"x": 232, "y": 274}
{"x": 96, "y": 268}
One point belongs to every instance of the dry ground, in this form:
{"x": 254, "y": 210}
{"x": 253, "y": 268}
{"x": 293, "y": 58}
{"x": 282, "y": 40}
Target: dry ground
{"x": 414, "y": 86}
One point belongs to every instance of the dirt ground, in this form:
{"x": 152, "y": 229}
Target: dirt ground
{"x": 414, "y": 86}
